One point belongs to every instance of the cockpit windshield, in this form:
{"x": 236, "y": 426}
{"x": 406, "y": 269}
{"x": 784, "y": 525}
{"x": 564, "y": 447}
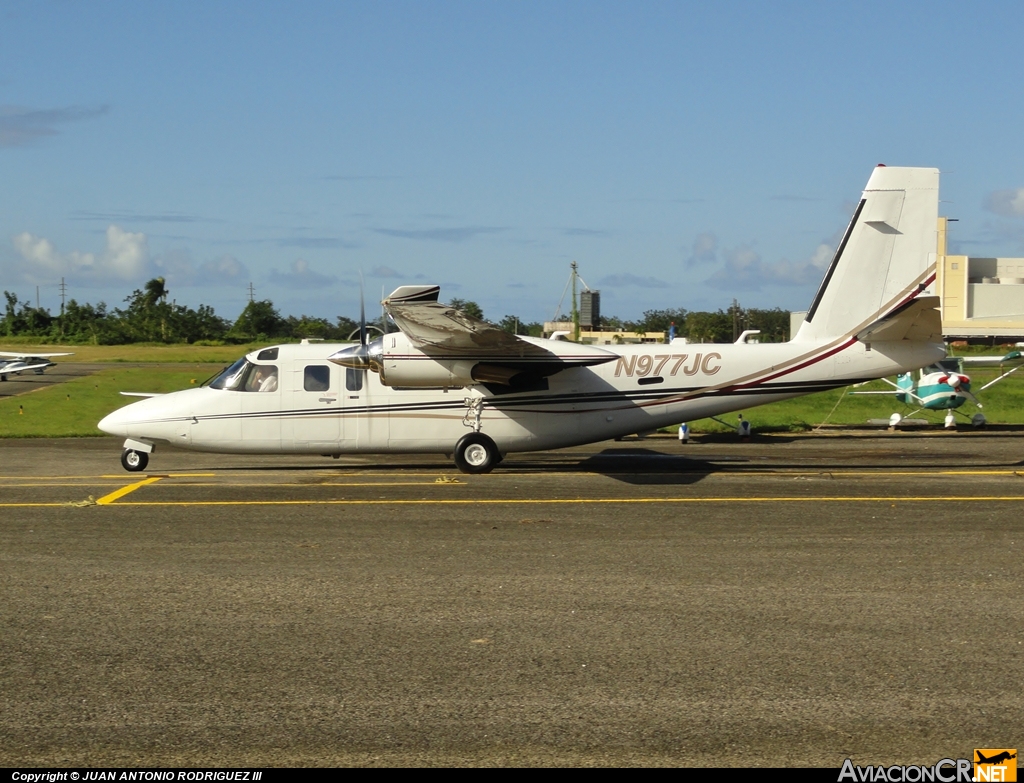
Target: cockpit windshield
{"x": 232, "y": 377}
{"x": 244, "y": 375}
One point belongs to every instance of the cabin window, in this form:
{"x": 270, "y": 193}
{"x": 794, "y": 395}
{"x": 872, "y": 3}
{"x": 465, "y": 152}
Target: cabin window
{"x": 353, "y": 379}
{"x": 267, "y": 355}
{"x": 262, "y": 378}
{"x": 316, "y": 378}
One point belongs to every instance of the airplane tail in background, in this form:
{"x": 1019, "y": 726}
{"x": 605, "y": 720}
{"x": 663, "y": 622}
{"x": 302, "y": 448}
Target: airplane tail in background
{"x": 885, "y": 258}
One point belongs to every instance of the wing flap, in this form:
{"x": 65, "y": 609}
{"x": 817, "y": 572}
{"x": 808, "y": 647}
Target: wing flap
{"x": 444, "y": 333}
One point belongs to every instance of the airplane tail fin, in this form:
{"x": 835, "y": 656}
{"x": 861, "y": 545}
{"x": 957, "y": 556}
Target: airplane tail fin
{"x": 886, "y": 256}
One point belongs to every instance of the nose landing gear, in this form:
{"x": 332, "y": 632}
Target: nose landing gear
{"x": 134, "y": 461}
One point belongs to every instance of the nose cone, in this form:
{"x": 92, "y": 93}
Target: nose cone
{"x": 361, "y": 357}
{"x": 115, "y": 423}
{"x": 154, "y": 417}
{"x": 355, "y": 357}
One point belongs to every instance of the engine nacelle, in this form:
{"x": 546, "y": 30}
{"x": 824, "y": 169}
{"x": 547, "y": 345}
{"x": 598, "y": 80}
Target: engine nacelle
{"x": 401, "y": 364}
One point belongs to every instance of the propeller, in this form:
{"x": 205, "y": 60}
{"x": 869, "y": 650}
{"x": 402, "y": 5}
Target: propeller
{"x": 362, "y": 311}
{"x": 359, "y": 357}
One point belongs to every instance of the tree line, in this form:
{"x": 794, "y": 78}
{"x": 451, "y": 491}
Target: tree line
{"x": 148, "y": 317}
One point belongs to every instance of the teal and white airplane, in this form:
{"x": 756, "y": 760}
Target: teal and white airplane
{"x": 944, "y": 386}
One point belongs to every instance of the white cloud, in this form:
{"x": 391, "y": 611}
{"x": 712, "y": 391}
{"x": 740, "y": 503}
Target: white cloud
{"x": 621, "y": 281}
{"x": 20, "y": 125}
{"x": 745, "y": 270}
{"x": 177, "y": 266}
{"x": 126, "y": 258}
{"x": 822, "y": 256}
{"x": 225, "y": 270}
{"x": 301, "y": 276}
{"x": 1008, "y": 203}
{"x": 705, "y": 250}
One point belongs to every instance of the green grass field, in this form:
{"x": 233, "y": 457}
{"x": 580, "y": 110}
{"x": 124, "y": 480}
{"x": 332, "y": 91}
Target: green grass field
{"x": 72, "y": 409}
{"x": 139, "y": 352}
{"x": 1002, "y": 404}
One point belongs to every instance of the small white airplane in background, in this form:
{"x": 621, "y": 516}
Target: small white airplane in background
{"x": 451, "y": 384}
{"x": 17, "y": 363}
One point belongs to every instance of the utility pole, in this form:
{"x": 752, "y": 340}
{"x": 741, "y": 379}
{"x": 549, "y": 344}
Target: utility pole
{"x": 575, "y": 305}
{"x": 63, "y": 294}
{"x": 252, "y": 292}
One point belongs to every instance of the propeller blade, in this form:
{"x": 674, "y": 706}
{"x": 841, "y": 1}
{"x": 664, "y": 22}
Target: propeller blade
{"x": 362, "y": 311}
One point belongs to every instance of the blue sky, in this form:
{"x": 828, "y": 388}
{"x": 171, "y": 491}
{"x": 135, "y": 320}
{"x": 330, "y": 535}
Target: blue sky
{"x": 682, "y": 153}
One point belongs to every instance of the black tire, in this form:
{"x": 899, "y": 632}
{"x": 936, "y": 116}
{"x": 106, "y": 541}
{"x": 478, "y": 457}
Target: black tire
{"x": 476, "y": 453}
{"x": 134, "y": 461}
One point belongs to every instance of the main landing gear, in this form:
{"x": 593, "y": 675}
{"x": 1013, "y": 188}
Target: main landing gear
{"x": 134, "y": 461}
{"x": 476, "y": 453}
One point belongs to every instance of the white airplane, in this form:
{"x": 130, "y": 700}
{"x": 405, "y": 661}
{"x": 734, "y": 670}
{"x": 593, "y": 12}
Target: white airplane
{"x": 450, "y": 384}
{"x": 17, "y": 363}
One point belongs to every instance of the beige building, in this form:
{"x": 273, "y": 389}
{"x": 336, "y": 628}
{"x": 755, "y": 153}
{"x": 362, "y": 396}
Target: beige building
{"x": 982, "y": 298}
{"x": 603, "y": 338}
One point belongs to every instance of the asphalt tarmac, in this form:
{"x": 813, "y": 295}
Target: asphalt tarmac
{"x": 794, "y": 601}
{"x": 31, "y": 381}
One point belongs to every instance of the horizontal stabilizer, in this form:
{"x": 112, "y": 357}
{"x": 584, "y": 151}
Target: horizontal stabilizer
{"x": 918, "y": 321}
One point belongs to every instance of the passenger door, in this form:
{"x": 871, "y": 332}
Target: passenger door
{"x": 312, "y": 413}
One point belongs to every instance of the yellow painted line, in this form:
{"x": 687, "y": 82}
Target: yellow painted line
{"x": 302, "y": 485}
{"x": 118, "y": 476}
{"x": 31, "y": 505}
{"x": 576, "y": 501}
{"x": 924, "y": 472}
{"x": 524, "y": 502}
{"x": 106, "y": 500}
{"x": 40, "y": 481}
{"x": 57, "y": 484}
{"x": 42, "y": 478}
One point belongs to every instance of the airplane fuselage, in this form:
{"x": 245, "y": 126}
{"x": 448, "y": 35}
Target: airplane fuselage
{"x": 320, "y": 408}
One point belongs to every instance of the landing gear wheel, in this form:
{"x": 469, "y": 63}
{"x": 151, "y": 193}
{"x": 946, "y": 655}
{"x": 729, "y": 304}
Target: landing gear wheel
{"x": 476, "y": 453}
{"x": 134, "y": 461}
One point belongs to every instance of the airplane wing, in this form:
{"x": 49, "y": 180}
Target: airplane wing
{"x": 26, "y": 357}
{"x": 141, "y": 394}
{"x": 990, "y": 361}
{"x": 443, "y": 332}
